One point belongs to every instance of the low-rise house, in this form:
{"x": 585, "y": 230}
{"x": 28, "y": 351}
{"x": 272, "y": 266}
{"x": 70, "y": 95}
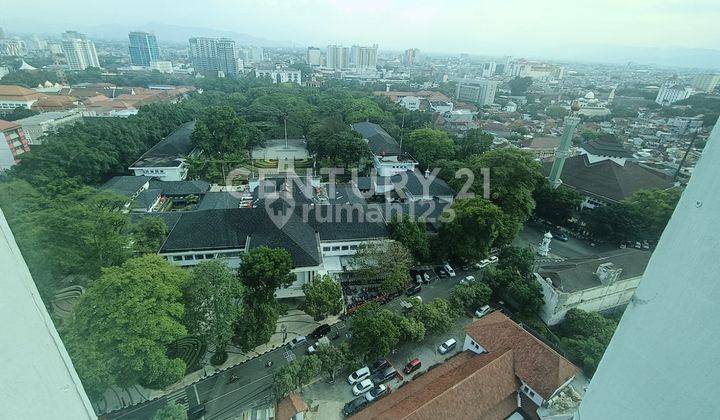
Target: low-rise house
{"x": 12, "y": 97}
{"x": 503, "y": 371}
{"x": 542, "y": 147}
{"x": 166, "y": 160}
{"x": 592, "y": 284}
{"x": 388, "y": 157}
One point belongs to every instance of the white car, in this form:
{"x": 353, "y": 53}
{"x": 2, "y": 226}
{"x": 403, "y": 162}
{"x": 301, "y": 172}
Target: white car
{"x": 362, "y": 387}
{"x": 447, "y": 346}
{"x": 449, "y": 270}
{"x": 323, "y": 341}
{"x": 483, "y": 263}
{"x": 468, "y": 279}
{"x": 359, "y": 375}
{"x": 297, "y": 341}
{"x": 482, "y": 311}
{"x": 493, "y": 259}
{"x": 426, "y": 276}
{"x": 376, "y": 392}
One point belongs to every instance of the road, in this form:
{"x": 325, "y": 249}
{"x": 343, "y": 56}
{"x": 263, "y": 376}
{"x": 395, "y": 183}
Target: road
{"x": 224, "y": 400}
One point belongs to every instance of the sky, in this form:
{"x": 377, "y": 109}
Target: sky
{"x": 473, "y": 26}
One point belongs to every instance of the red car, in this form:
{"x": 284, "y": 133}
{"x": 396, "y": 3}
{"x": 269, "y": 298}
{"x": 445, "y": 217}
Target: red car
{"x": 412, "y": 366}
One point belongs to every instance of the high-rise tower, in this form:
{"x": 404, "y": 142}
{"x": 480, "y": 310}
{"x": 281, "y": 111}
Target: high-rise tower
{"x": 143, "y": 49}
{"x": 563, "y": 150}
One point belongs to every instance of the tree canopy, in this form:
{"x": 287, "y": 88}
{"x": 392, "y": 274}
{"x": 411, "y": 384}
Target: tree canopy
{"x": 123, "y": 324}
{"x": 386, "y": 262}
{"x": 428, "y": 145}
{"x": 323, "y": 297}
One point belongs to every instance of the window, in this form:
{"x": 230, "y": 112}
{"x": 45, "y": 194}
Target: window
{"x": 336, "y": 248}
{"x": 345, "y": 248}
{"x": 326, "y": 248}
{"x": 525, "y": 388}
{"x": 353, "y": 246}
{"x": 189, "y": 257}
{"x": 532, "y": 394}
{"x": 199, "y": 256}
{"x": 209, "y": 256}
{"x": 177, "y": 258}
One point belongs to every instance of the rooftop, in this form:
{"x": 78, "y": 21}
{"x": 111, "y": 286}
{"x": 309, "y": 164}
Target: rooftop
{"x": 7, "y": 125}
{"x": 380, "y": 142}
{"x": 607, "y": 179}
{"x": 126, "y": 185}
{"x": 606, "y": 146}
{"x": 168, "y": 150}
{"x": 579, "y": 274}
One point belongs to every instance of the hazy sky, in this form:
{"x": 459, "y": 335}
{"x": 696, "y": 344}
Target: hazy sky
{"x": 474, "y": 26}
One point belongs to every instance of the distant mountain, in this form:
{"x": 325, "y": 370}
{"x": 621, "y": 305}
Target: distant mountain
{"x": 164, "y": 32}
{"x": 660, "y": 56}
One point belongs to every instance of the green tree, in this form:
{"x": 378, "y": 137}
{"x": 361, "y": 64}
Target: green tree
{"x": 428, "y": 145}
{"x": 412, "y": 234}
{"x": 517, "y": 259}
{"x": 471, "y": 296}
{"x": 148, "y": 234}
{"x": 411, "y": 329}
{"x": 219, "y": 131}
{"x": 520, "y": 85}
{"x": 123, "y": 324}
{"x": 19, "y": 113}
{"x": 387, "y": 262}
{"x": 556, "y": 112}
{"x": 556, "y": 205}
{"x": 171, "y": 411}
{"x": 258, "y": 323}
{"x": 514, "y": 175}
{"x": 214, "y": 302}
{"x": 585, "y": 336}
{"x": 285, "y": 379}
{"x": 335, "y": 145}
{"x": 475, "y": 227}
{"x": 653, "y": 209}
{"x": 264, "y": 270}
{"x": 374, "y": 333}
{"x": 475, "y": 142}
{"x": 310, "y": 368}
{"x": 323, "y": 297}
{"x": 332, "y": 359}
{"x": 524, "y": 294}
{"x": 437, "y": 316}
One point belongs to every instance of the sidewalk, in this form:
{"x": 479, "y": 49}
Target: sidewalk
{"x": 296, "y": 323}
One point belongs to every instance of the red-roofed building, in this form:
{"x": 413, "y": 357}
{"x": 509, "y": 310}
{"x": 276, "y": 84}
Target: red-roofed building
{"x": 291, "y": 407}
{"x": 503, "y": 371}
{"x": 12, "y": 144}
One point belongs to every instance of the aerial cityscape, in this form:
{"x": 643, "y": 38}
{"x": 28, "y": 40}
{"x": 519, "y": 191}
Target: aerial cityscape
{"x": 376, "y": 211}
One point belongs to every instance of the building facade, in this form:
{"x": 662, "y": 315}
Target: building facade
{"x": 143, "y": 49}
{"x": 706, "y": 82}
{"x": 670, "y": 93}
{"x": 337, "y": 57}
{"x": 314, "y": 57}
{"x": 363, "y": 57}
{"x": 214, "y": 55}
{"x": 280, "y": 75}
{"x": 79, "y": 51}
{"x": 481, "y": 92}
{"x": 12, "y": 144}
{"x": 37, "y": 126}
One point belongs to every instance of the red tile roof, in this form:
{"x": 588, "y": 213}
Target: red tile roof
{"x": 17, "y": 93}
{"x": 7, "y": 125}
{"x": 539, "y": 366}
{"x": 289, "y": 406}
{"x": 470, "y": 386}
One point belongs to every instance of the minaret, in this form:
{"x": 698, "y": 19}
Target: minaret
{"x": 563, "y": 149}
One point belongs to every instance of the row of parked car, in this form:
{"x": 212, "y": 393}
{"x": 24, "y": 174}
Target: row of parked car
{"x": 369, "y": 384}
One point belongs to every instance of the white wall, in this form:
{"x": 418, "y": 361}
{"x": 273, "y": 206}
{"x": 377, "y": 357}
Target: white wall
{"x": 38, "y": 380}
{"x": 472, "y": 345}
{"x": 595, "y": 299}
{"x": 164, "y": 174}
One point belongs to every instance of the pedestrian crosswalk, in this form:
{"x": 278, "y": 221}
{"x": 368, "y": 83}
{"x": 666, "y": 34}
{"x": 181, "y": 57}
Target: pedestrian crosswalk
{"x": 179, "y": 397}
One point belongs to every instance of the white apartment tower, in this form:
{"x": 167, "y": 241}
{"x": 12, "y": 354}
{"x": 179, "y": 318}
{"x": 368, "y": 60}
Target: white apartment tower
{"x": 362, "y": 57}
{"x": 671, "y": 92}
{"x": 79, "y": 51}
{"x": 338, "y": 57}
{"x": 314, "y": 57}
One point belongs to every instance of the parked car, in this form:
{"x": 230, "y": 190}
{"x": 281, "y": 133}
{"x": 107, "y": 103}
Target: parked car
{"x": 447, "y": 346}
{"x": 359, "y": 375}
{"x": 449, "y": 269}
{"x": 442, "y": 272}
{"x": 493, "y": 259}
{"x": 354, "y": 406}
{"x": 560, "y": 236}
{"x": 297, "y": 341}
{"x": 426, "y": 277}
{"x": 484, "y": 263}
{"x": 320, "y": 331}
{"x": 362, "y": 387}
{"x": 418, "y": 279}
{"x": 467, "y": 279}
{"x": 323, "y": 341}
{"x": 376, "y": 393}
{"x": 385, "y": 375}
{"x": 412, "y": 366}
{"x": 482, "y": 311}
{"x": 380, "y": 365}
{"x": 413, "y": 290}
{"x": 196, "y": 412}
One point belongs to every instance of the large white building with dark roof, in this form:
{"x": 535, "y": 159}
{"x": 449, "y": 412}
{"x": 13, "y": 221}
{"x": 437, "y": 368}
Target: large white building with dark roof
{"x": 166, "y": 160}
{"x": 591, "y": 284}
{"x": 388, "y": 157}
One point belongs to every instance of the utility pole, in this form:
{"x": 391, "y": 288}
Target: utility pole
{"x": 687, "y": 151}
{"x": 402, "y": 131}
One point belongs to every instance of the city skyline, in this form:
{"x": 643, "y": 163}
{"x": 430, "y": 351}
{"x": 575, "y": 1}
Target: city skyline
{"x": 489, "y": 27}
